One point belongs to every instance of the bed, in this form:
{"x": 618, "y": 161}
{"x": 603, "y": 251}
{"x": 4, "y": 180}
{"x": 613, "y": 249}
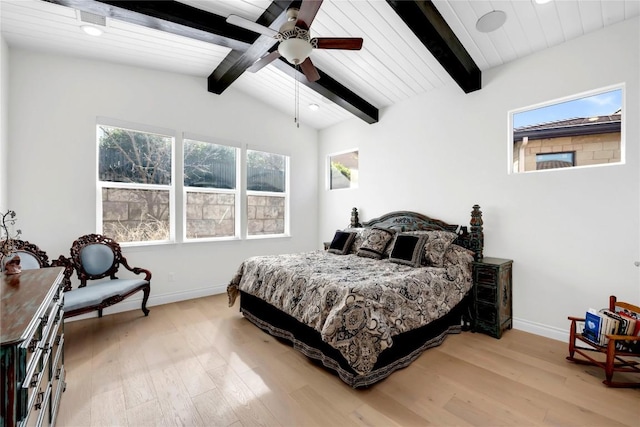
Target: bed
{"x": 362, "y": 315}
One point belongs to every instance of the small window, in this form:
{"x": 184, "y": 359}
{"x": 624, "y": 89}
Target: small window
{"x": 267, "y": 193}
{"x": 555, "y": 160}
{"x": 584, "y": 130}
{"x": 134, "y": 178}
{"x": 211, "y": 190}
{"x": 343, "y": 170}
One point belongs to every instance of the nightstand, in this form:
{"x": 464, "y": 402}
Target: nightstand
{"x": 492, "y": 296}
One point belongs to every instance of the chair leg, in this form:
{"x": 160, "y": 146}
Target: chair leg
{"x": 145, "y": 291}
{"x": 611, "y": 358}
{"x": 572, "y": 340}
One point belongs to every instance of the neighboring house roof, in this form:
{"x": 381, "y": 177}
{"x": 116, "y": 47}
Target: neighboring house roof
{"x": 570, "y": 127}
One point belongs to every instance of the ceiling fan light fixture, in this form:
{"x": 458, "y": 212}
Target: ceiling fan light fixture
{"x": 295, "y": 50}
{"x": 491, "y": 21}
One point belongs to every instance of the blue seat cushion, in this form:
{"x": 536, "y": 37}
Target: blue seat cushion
{"x": 95, "y": 293}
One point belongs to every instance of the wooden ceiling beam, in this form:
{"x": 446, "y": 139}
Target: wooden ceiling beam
{"x": 236, "y": 62}
{"x": 429, "y": 26}
{"x": 171, "y": 17}
{"x": 332, "y": 90}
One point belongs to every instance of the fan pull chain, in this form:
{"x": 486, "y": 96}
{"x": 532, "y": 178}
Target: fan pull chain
{"x": 296, "y": 118}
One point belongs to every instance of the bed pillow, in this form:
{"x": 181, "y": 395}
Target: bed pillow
{"x": 361, "y": 234}
{"x": 342, "y": 242}
{"x": 457, "y": 255}
{"x": 375, "y": 243}
{"x": 408, "y": 249}
{"x": 436, "y": 246}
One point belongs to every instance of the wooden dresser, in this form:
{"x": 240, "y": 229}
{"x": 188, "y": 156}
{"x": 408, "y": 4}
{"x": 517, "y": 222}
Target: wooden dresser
{"x": 32, "y": 347}
{"x": 492, "y": 295}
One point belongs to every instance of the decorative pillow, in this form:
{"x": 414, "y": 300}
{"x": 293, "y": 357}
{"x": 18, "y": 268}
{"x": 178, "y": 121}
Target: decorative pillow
{"x": 408, "y": 249}
{"x": 436, "y": 246}
{"x": 375, "y": 243}
{"x": 361, "y": 234}
{"x": 456, "y": 255}
{"x": 341, "y": 242}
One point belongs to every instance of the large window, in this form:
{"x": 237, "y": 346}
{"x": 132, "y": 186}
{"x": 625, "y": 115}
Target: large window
{"x": 267, "y": 191}
{"x": 211, "y": 190}
{"x": 138, "y": 185}
{"x": 135, "y": 178}
{"x": 583, "y": 130}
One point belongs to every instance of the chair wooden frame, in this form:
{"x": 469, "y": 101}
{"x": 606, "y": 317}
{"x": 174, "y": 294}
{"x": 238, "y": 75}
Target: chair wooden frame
{"x": 615, "y": 360}
{"x": 74, "y": 263}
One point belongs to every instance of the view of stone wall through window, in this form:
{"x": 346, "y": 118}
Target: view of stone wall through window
{"x": 265, "y": 215}
{"x": 210, "y": 215}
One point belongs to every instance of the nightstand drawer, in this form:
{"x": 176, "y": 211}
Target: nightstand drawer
{"x": 486, "y": 313}
{"x": 486, "y": 294}
{"x": 485, "y": 275}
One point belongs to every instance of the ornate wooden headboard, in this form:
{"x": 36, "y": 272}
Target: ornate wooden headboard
{"x": 472, "y": 238}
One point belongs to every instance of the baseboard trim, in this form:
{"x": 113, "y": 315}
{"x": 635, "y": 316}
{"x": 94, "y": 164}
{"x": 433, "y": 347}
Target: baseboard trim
{"x": 135, "y": 301}
{"x": 541, "y": 329}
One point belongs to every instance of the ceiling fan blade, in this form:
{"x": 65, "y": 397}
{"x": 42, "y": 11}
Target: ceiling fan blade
{"x": 309, "y": 70}
{"x": 262, "y": 62}
{"x": 307, "y": 13}
{"x": 239, "y": 21}
{"x": 354, "y": 43}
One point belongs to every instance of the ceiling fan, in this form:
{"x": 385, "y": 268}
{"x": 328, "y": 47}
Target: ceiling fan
{"x": 296, "y": 43}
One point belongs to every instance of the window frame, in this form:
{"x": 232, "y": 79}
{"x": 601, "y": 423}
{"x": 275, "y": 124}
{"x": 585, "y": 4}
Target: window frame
{"x": 246, "y": 193}
{"x": 101, "y": 185}
{"x": 582, "y": 95}
{"x": 206, "y": 190}
{"x": 328, "y": 180}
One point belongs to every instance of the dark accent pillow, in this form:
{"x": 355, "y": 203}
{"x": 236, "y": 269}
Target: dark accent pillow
{"x": 341, "y": 242}
{"x": 408, "y": 250}
{"x": 375, "y": 243}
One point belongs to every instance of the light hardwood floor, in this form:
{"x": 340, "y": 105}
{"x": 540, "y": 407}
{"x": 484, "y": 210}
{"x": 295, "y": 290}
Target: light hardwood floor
{"x": 200, "y": 363}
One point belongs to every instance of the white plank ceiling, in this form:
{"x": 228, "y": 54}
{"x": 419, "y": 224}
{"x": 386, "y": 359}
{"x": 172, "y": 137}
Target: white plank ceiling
{"x": 392, "y": 66}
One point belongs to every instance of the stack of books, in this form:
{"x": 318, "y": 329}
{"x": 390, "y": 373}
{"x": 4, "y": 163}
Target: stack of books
{"x": 599, "y": 324}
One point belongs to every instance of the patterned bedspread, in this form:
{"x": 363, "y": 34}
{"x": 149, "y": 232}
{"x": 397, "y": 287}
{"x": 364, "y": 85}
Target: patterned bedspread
{"x": 357, "y": 304}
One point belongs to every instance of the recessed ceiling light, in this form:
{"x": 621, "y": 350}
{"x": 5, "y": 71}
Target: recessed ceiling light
{"x": 91, "y": 30}
{"x": 491, "y": 21}
{"x": 542, "y": 1}
{"x": 314, "y": 107}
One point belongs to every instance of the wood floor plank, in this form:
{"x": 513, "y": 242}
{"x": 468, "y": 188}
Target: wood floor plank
{"x": 247, "y": 407}
{"x": 200, "y": 362}
{"x": 147, "y": 414}
{"x": 214, "y": 409}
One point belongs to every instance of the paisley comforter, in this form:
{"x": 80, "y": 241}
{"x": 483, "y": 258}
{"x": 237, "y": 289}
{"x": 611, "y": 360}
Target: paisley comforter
{"x": 357, "y": 304}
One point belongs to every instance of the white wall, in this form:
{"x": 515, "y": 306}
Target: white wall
{"x": 573, "y": 234}
{"x": 52, "y": 162}
{"x": 4, "y": 119}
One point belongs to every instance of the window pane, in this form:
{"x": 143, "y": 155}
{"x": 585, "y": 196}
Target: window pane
{"x": 209, "y": 165}
{"x": 343, "y": 170}
{"x": 136, "y": 157}
{"x": 265, "y": 171}
{"x": 265, "y": 215}
{"x": 587, "y": 129}
{"x": 132, "y": 215}
{"x": 210, "y": 215}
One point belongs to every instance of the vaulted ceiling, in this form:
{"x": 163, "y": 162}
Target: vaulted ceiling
{"x": 410, "y": 47}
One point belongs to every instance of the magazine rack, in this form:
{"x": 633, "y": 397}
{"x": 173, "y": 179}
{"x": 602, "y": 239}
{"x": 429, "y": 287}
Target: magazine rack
{"x": 606, "y": 357}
